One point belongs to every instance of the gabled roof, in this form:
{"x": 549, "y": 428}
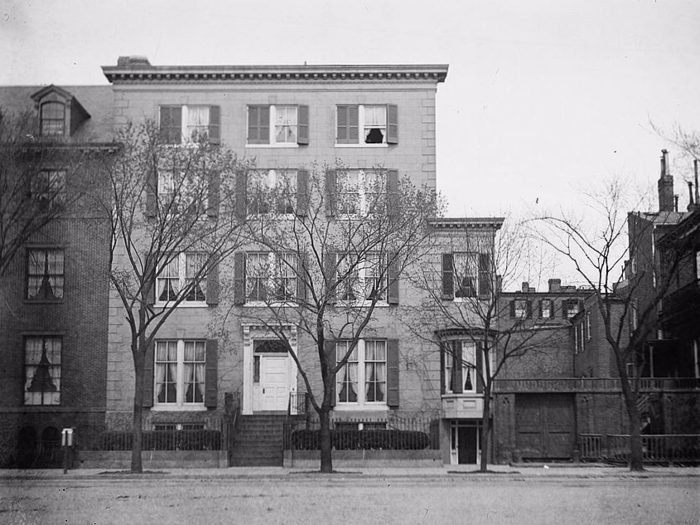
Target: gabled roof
{"x": 43, "y": 92}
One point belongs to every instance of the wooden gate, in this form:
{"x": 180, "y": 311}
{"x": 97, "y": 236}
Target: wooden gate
{"x": 545, "y": 426}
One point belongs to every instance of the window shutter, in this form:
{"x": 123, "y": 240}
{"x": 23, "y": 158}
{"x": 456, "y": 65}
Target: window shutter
{"x": 214, "y": 125}
{"x": 152, "y": 193}
{"x": 239, "y": 278}
{"x": 329, "y": 347}
{"x": 512, "y": 309}
{"x": 564, "y": 308}
{"x": 258, "y": 124}
{"x": 484, "y": 275}
{"x": 329, "y": 269}
{"x": 443, "y": 379}
{"x": 302, "y": 193}
{"x": 210, "y": 374}
{"x": 213, "y": 285}
{"x": 392, "y": 373}
{"x": 301, "y": 277}
{"x": 171, "y": 124}
{"x": 392, "y": 124}
{"x": 213, "y": 194}
{"x": 331, "y": 192}
{"x": 392, "y": 189}
{"x": 149, "y": 280}
{"x": 448, "y": 278}
{"x": 479, "y": 366}
{"x": 457, "y": 367}
{"x": 539, "y": 313}
{"x": 393, "y": 279}
{"x": 241, "y": 194}
{"x": 348, "y": 122}
{"x": 528, "y": 306}
{"x": 303, "y": 125}
{"x": 148, "y": 376}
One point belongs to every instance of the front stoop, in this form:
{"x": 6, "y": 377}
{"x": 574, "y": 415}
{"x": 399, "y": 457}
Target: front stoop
{"x": 259, "y": 440}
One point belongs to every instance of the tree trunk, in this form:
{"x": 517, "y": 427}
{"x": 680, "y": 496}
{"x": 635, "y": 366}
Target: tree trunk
{"x": 630, "y": 395}
{"x": 326, "y": 455}
{"x": 485, "y": 429}
{"x": 137, "y": 441}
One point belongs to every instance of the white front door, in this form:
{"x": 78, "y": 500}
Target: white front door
{"x": 274, "y": 382}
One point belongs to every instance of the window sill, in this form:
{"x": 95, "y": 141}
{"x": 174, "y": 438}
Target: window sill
{"x": 179, "y": 408}
{"x": 362, "y": 145}
{"x": 44, "y": 301}
{"x": 263, "y": 304}
{"x": 276, "y": 146}
{"x": 367, "y": 407}
{"x": 362, "y": 304}
{"x": 182, "y": 305}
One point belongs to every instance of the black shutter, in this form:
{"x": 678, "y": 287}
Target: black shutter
{"x": 331, "y": 192}
{"x": 241, "y": 194}
{"x": 392, "y": 191}
{"x": 214, "y": 125}
{"x": 457, "y": 367}
{"x": 330, "y": 265}
{"x": 239, "y": 278}
{"x": 448, "y": 276}
{"x": 348, "y": 122}
{"x": 484, "y": 275}
{"x": 210, "y": 374}
{"x": 170, "y": 128}
{"x": 392, "y": 373}
{"x": 213, "y": 285}
{"x": 302, "y": 193}
{"x": 392, "y": 124}
{"x": 301, "y": 277}
{"x": 152, "y": 193}
{"x": 303, "y": 125}
{"x": 213, "y": 194}
{"x": 148, "y": 376}
{"x": 329, "y": 347}
{"x": 258, "y": 124}
{"x": 393, "y": 280}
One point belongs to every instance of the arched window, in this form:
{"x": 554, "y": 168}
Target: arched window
{"x": 53, "y": 119}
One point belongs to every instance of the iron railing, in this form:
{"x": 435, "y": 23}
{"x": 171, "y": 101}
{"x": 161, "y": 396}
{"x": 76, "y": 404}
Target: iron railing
{"x": 656, "y": 448}
{"x": 592, "y": 385}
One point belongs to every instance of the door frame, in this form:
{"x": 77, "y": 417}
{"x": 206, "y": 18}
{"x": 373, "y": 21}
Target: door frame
{"x": 455, "y": 425}
{"x": 252, "y": 332}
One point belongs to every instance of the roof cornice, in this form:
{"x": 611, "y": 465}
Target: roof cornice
{"x": 459, "y": 223}
{"x": 144, "y": 73}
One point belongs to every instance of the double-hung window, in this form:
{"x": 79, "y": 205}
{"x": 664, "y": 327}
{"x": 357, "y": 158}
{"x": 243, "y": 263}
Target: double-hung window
{"x": 48, "y": 188}
{"x": 45, "y": 274}
{"x": 460, "y": 367}
{"x": 53, "y": 119}
{"x": 182, "y": 192}
{"x": 465, "y": 275}
{"x": 271, "y": 276}
{"x": 360, "y": 192}
{"x": 546, "y": 309}
{"x": 183, "y": 273}
{"x": 363, "y": 380}
{"x": 42, "y": 370}
{"x": 278, "y": 125}
{"x": 367, "y": 124}
{"x": 189, "y": 124}
{"x": 272, "y": 191}
{"x": 180, "y": 373}
{"x": 361, "y": 278}
{"x": 520, "y": 309}
{"x": 571, "y": 308}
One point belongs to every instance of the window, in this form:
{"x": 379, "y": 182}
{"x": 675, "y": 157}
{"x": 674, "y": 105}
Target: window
{"x": 48, "y": 188}
{"x": 463, "y": 353}
{"x": 183, "y": 273}
{"x": 180, "y": 367}
{"x": 465, "y": 274}
{"x": 360, "y": 192}
{"x": 546, "y": 309}
{"x": 520, "y": 309}
{"x": 190, "y": 124}
{"x": 271, "y": 276}
{"x": 697, "y": 265}
{"x": 272, "y": 191}
{"x": 580, "y": 337}
{"x": 289, "y": 125}
{"x": 53, "y": 119}
{"x": 42, "y": 370}
{"x": 367, "y": 124}
{"x": 363, "y": 380}
{"x": 182, "y": 192}
{"x": 571, "y": 307}
{"x": 45, "y": 274}
{"x": 361, "y": 278}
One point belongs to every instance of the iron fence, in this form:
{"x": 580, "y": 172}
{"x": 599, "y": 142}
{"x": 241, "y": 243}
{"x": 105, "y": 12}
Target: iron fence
{"x": 656, "y": 448}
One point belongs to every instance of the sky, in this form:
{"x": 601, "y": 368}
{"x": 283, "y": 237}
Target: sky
{"x": 543, "y": 99}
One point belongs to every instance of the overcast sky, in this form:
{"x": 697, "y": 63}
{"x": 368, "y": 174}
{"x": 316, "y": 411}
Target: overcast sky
{"x": 542, "y": 98}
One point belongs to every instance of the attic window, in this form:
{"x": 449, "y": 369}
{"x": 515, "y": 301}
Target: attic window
{"x": 53, "y": 119}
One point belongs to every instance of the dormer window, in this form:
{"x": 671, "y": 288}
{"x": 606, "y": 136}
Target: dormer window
{"x": 53, "y": 119}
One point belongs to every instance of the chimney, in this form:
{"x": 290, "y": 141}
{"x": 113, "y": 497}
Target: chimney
{"x": 691, "y": 200}
{"x": 697, "y": 190}
{"x": 554, "y": 285}
{"x": 526, "y": 287}
{"x": 666, "y": 198}
{"x": 133, "y": 61}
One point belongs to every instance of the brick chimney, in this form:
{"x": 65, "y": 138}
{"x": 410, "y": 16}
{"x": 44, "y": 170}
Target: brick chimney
{"x": 554, "y": 285}
{"x": 666, "y": 199}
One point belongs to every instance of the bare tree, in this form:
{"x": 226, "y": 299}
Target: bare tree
{"x": 463, "y": 295}
{"x": 40, "y": 181}
{"x": 332, "y": 250}
{"x": 613, "y": 254}
{"x": 170, "y": 210}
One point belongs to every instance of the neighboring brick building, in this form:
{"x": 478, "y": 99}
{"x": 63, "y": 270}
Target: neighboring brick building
{"x": 53, "y": 296}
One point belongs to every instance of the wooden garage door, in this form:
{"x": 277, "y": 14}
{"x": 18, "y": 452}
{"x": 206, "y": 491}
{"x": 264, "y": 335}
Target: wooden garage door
{"x": 544, "y": 425}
